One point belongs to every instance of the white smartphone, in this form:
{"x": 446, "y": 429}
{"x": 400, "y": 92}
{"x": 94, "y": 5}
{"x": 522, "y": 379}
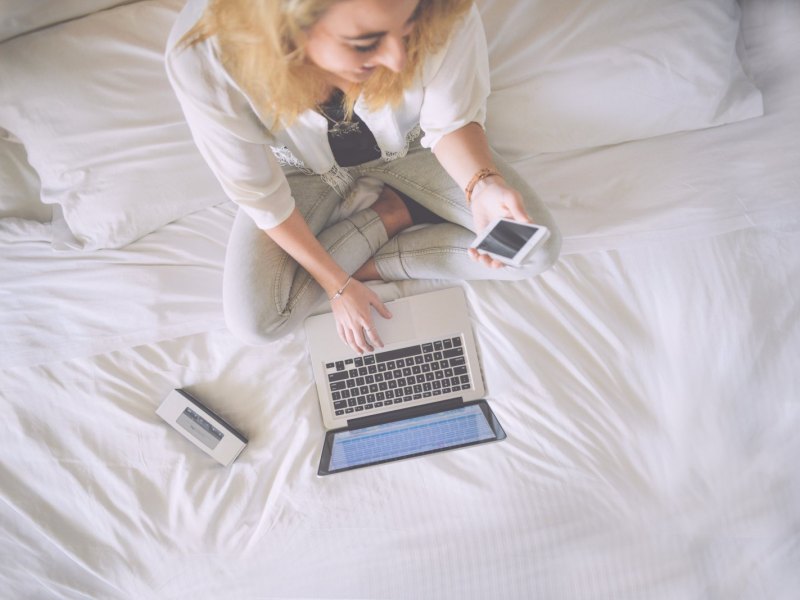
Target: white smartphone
{"x": 510, "y": 241}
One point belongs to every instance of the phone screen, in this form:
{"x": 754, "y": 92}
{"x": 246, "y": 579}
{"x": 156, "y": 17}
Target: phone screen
{"x": 507, "y": 238}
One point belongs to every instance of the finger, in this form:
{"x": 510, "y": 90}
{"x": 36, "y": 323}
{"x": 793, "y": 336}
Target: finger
{"x": 351, "y": 341}
{"x": 480, "y": 257}
{"x": 361, "y": 340}
{"x": 518, "y": 214}
{"x": 517, "y": 210}
{"x": 372, "y": 332}
{"x": 381, "y": 308}
{"x": 356, "y": 334}
{"x": 474, "y": 254}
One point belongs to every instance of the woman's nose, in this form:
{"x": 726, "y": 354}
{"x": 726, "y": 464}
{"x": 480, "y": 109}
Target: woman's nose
{"x": 393, "y": 53}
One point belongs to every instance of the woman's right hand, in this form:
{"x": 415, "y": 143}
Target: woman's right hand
{"x": 353, "y": 314}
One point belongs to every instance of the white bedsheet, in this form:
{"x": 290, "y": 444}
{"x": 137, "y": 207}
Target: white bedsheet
{"x": 649, "y": 400}
{"x": 58, "y": 305}
{"x": 648, "y": 386}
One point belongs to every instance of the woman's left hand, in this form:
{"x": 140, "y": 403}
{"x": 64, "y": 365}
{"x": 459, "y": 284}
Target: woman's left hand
{"x": 493, "y": 198}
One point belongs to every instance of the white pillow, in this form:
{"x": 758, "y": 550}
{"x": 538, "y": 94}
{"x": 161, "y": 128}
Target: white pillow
{"x": 23, "y": 16}
{"x": 91, "y": 102}
{"x": 576, "y": 74}
{"x": 19, "y": 185}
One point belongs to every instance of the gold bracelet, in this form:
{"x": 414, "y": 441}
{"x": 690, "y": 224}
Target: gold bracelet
{"x": 479, "y": 176}
{"x": 341, "y": 290}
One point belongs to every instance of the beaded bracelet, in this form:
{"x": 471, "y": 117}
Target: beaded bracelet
{"x": 479, "y": 176}
{"x": 341, "y": 290}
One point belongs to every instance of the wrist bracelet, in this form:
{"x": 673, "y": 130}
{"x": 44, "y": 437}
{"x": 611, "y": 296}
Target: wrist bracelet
{"x": 479, "y": 176}
{"x": 341, "y": 290}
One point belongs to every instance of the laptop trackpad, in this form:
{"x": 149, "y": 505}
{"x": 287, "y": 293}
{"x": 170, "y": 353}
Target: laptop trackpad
{"x": 400, "y": 328}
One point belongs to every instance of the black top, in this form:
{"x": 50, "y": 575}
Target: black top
{"x": 351, "y": 141}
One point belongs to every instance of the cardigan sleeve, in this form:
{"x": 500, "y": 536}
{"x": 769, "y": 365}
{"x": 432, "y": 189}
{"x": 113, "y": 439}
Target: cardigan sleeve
{"x": 231, "y": 138}
{"x": 456, "y": 82}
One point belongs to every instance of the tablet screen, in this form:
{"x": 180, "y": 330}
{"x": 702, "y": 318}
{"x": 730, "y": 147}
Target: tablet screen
{"x": 507, "y": 238}
{"x": 466, "y": 425}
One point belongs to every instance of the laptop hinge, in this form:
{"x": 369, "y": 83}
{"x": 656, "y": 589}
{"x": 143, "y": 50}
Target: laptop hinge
{"x": 406, "y": 413}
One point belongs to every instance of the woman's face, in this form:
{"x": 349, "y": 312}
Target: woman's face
{"x": 355, "y": 36}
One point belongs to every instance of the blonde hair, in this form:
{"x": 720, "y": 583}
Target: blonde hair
{"x": 260, "y": 47}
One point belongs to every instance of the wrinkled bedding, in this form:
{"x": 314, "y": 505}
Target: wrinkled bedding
{"x": 647, "y": 383}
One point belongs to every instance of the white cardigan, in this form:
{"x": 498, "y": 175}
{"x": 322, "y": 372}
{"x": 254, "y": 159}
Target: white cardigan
{"x": 246, "y": 157}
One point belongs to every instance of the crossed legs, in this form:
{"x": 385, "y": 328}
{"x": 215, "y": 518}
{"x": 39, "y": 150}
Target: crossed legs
{"x": 266, "y": 294}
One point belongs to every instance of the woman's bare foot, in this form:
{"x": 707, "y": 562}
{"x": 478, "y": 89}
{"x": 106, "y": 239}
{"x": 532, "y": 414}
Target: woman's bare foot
{"x": 392, "y": 211}
{"x": 395, "y": 217}
{"x": 367, "y": 272}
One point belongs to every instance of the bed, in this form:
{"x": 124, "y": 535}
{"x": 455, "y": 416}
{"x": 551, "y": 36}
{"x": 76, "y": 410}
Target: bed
{"x": 648, "y": 383}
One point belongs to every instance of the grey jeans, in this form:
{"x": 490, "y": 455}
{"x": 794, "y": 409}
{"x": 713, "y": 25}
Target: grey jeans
{"x": 266, "y": 293}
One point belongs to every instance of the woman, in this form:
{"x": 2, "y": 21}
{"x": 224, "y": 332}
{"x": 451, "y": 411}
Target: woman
{"x": 291, "y": 101}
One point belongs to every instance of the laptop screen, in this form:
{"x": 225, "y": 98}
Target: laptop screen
{"x": 466, "y": 425}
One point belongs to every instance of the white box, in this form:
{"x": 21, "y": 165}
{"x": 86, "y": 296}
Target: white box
{"x": 201, "y": 426}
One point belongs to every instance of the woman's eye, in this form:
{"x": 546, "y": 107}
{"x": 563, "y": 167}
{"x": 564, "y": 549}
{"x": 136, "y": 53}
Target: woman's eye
{"x": 368, "y": 48}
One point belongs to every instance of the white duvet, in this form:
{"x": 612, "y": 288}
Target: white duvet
{"x": 647, "y": 383}
{"x": 651, "y": 441}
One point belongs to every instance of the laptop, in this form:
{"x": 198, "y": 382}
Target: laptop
{"x": 421, "y": 393}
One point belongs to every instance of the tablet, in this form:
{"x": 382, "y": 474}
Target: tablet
{"x": 468, "y": 424}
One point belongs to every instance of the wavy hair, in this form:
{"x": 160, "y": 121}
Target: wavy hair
{"x": 260, "y": 45}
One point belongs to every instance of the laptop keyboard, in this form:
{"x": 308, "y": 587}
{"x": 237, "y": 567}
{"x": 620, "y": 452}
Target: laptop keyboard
{"x": 372, "y": 381}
